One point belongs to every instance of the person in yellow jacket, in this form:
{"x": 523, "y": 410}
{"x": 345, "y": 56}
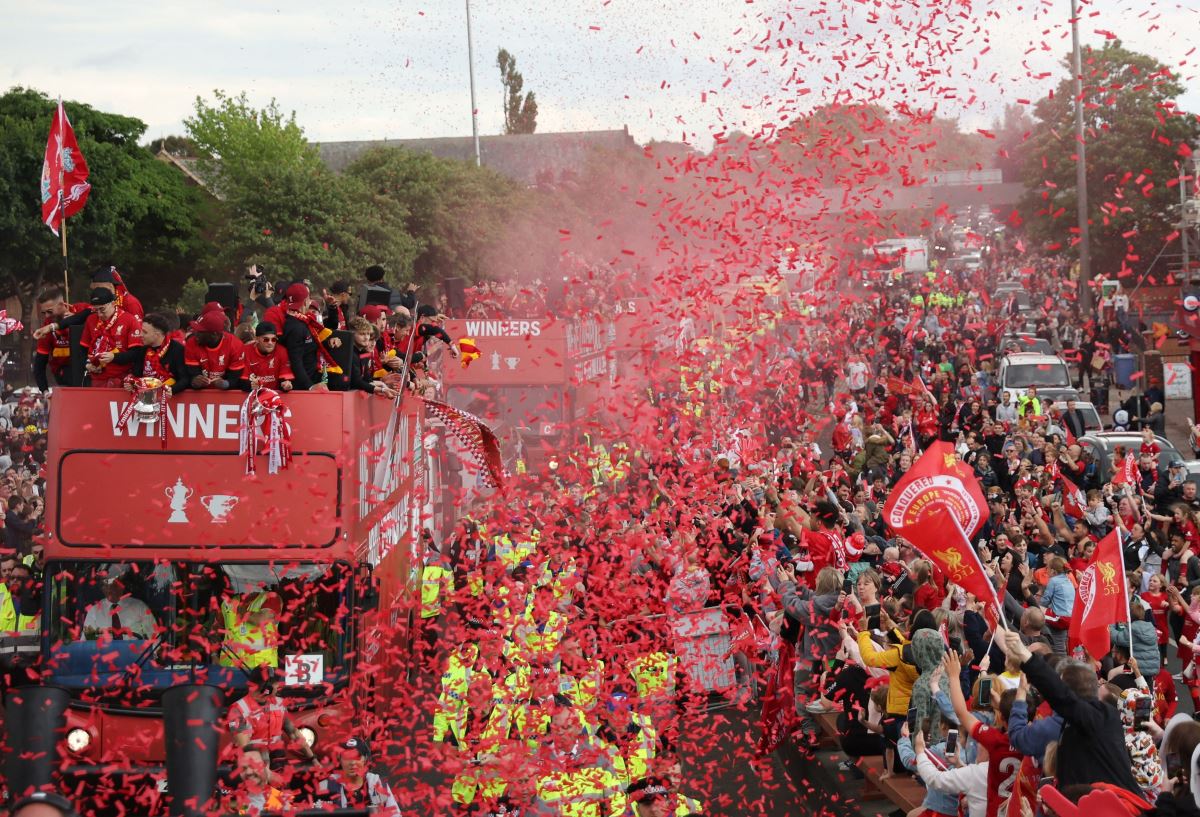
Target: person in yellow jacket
{"x": 20, "y": 623}
{"x": 542, "y": 626}
{"x": 251, "y": 631}
{"x": 475, "y": 661}
{"x": 1029, "y": 403}
{"x": 654, "y": 797}
{"x": 580, "y": 675}
{"x": 630, "y": 734}
{"x": 437, "y": 579}
{"x": 902, "y": 675}
{"x": 437, "y": 586}
{"x": 576, "y": 777}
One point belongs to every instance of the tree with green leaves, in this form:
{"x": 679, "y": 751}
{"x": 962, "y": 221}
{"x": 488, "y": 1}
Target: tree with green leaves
{"x": 141, "y": 215}
{"x": 454, "y": 210}
{"x": 310, "y": 223}
{"x": 283, "y": 208}
{"x": 1136, "y": 138}
{"x": 238, "y": 142}
{"x": 520, "y": 112}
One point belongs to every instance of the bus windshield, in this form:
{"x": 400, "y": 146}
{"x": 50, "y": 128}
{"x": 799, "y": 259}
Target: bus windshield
{"x": 164, "y": 623}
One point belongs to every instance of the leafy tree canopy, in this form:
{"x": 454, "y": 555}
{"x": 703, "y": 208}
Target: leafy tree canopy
{"x": 1136, "y": 137}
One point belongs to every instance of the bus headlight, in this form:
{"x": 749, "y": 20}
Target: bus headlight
{"x": 78, "y": 740}
{"x": 310, "y": 737}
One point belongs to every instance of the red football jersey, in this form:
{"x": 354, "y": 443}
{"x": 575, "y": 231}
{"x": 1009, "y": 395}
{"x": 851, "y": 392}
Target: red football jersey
{"x": 1004, "y": 764}
{"x": 270, "y": 369}
{"x": 222, "y": 360}
{"x": 120, "y": 332}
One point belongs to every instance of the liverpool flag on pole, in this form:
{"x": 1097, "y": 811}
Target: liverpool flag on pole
{"x": 938, "y": 506}
{"x": 1101, "y": 599}
{"x": 65, "y": 186}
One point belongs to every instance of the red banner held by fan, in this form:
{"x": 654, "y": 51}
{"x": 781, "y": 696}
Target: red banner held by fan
{"x": 938, "y": 506}
{"x": 1101, "y": 599}
{"x": 1073, "y": 499}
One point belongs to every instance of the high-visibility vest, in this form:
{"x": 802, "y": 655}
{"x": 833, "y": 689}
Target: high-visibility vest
{"x": 254, "y": 646}
{"x": 584, "y": 690}
{"x": 653, "y": 674}
{"x": 453, "y": 708}
{"x": 581, "y": 792}
{"x": 685, "y": 805}
{"x": 543, "y": 638}
{"x": 475, "y": 781}
{"x": 433, "y": 577}
{"x": 1029, "y": 404}
{"x": 512, "y": 554}
{"x": 19, "y": 634}
{"x": 265, "y": 722}
{"x": 639, "y": 753}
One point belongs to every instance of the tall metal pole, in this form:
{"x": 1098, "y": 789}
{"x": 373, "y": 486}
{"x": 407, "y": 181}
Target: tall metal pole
{"x": 471, "y": 67}
{"x": 1085, "y": 255}
{"x": 1185, "y": 280}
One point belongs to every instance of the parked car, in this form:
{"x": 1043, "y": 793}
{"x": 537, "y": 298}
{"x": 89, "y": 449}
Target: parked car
{"x": 1103, "y": 443}
{"x": 1049, "y": 373}
{"x": 1193, "y": 469}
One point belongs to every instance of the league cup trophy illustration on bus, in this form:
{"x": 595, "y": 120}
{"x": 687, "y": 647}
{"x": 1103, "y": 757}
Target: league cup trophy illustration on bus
{"x": 220, "y": 506}
{"x": 179, "y": 494}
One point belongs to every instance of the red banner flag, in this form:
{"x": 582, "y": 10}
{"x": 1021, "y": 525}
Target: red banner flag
{"x": 65, "y": 186}
{"x": 938, "y": 506}
{"x": 1126, "y": 471}
{"x": 897, "y": 386}
{"x": 1101, "y": 599}
{"x": 1073, "y": 499}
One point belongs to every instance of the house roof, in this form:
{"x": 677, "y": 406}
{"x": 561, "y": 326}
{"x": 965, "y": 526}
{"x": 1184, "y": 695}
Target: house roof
{"x": 190, "y": 167}
{"x": 524, "y": 158}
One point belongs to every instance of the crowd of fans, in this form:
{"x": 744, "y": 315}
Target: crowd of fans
{"x": 551, "y": 617}
{"x": 790, "y": 535}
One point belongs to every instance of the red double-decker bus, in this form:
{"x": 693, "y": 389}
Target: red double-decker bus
{"x": 187, "y": 532}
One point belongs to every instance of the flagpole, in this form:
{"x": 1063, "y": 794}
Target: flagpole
{"x": 66, "y": 266}
{"x": 62, "y": 204}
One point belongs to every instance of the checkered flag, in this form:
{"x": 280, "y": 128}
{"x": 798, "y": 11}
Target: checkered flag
{"x": 479, "y": 440}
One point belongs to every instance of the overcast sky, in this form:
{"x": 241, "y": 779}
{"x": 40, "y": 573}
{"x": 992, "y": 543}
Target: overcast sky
{"x": 371, "y": 69}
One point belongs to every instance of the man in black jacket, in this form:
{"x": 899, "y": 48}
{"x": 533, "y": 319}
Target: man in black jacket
{"x": 1092, "y": 747}
{"x": 1072, "y": 420}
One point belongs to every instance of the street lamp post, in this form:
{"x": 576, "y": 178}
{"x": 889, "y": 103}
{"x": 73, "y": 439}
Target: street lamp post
{"x": 1085, "y": 255}
{"x": 471, "y": 68}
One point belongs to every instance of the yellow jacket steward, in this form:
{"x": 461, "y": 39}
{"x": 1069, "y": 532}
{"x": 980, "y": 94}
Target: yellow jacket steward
{"x": 436, "y": 580}
{"x": 19, "y": 634}
{"x": 254, "y": 645}
{"x": 590, "y": 791}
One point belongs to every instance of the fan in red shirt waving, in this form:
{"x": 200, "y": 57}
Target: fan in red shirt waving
{"x": 109, "y": 330}
{"x": 212, "y": 356}
{"x": 265, "y": 362}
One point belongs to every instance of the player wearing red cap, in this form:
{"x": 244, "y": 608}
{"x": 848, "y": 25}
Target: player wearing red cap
{"x": 212, "y": 356}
